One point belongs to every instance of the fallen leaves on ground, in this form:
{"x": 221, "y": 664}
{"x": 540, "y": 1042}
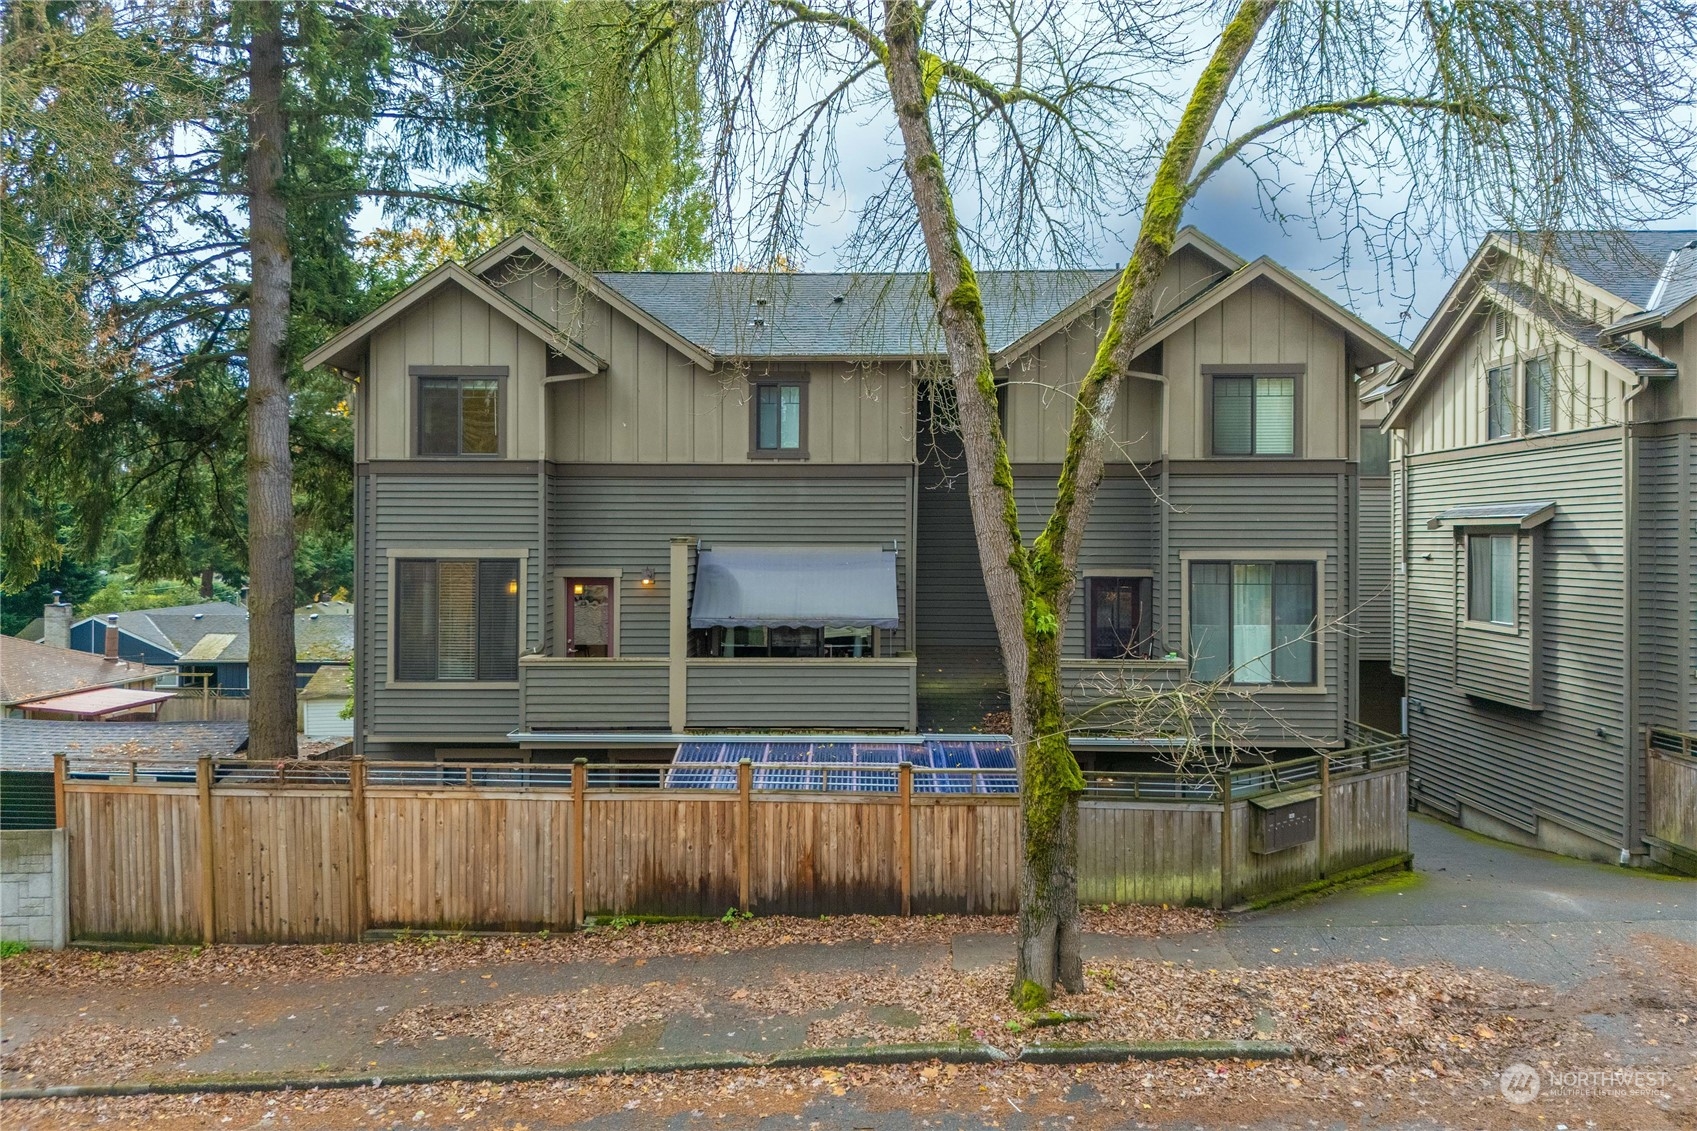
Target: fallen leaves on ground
{"x": 428, "y": 952}
{"x": 104, "y": 1051}
{"x": 550, "y": 1029}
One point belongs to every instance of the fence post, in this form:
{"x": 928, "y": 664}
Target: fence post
{"x": 580, "y": 836}
{"x": 1325, "y": 811}
{"x": 745, "y": 829}
{"x": 905, "y": 779}
{"x": 361, "y": 845}
{"x": 208, "y": 852}
{"x": 58, "y": 791}
{"x": 1225, "y": 839}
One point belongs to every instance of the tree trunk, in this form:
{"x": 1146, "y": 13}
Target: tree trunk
{"x": 1030, "y": 590}
{"x": 270, "y": 478}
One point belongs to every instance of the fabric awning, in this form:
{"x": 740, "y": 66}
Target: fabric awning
{"x": 795, "y": 586}
{"x": 1523, "y": 515}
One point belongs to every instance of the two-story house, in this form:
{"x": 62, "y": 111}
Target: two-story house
{"x": 601, "y": 513}
{"x": 1545, "y": 537}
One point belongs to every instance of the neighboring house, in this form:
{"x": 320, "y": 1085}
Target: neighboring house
{"x": 42, "y": 681}
{"x": 601, "y": 512}
{"x": 207, "y": 644}
{"x": 1381, "y": 684}
{"x": 322, "y": 701}
{"x": 1545, "y": 474}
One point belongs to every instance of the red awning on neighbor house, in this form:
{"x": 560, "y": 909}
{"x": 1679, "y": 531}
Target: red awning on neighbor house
{"x": 96, "y": 704}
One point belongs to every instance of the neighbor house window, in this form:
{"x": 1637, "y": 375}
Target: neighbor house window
{"x": 1253, "y": 622}
{"x": 456, "y": 619}
{"x": 1491, "y": 581}
{"x": 459, "y": 416}
{"x": 1117, "y": 612}
{"x": 1540, "y": 396}
{"x": 1254, "y": 415}
{"x": 780, "y": 418}
{"x": 1499, "y": 405}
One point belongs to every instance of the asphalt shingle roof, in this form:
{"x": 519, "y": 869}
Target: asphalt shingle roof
{"x": 30, "y": 670}
{"x": 761, "y": 314}
{"x": 217, "y": 632}
{"x": 30, "y": 744}
{"x": 1633, "y": 357}
{"x": 1624, "y": 263}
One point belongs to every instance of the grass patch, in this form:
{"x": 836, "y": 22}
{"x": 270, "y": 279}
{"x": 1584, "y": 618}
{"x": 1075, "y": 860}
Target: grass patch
{"x": 10, "y": 947}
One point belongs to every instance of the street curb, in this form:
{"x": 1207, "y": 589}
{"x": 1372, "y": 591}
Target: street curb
{"x": 1088, "y": 1052}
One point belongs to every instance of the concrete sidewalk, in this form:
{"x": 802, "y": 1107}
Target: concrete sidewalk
{"x": 1470, "y": 902}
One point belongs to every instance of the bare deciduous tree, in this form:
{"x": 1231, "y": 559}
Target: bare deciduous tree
{"x": 1023, "y": 124}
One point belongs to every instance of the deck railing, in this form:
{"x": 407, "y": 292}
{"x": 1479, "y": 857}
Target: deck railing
{"x": 1670, "y": 778}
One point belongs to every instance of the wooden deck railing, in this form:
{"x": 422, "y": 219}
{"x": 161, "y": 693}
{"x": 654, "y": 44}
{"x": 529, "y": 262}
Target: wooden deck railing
{"x": 1670, "y": 780}
{"x": 316, "y": 851}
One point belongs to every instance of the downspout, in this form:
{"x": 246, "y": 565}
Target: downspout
{"x": 1634, "y": 765}
{"x": 1164, "y": 505}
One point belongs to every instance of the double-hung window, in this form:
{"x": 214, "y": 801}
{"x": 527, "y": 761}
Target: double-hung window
{"x": 1254, "y": 415}
{"x": 1253, "y": 622}
{"x": 1117, "y": 611}
{"x": 456, "y": 619}
{"x": 1499, "y": 402}
{"x": 1539, "y": 394}
{"x": 459, "y": 414}
{"x": 1492, "y": 582}
{"x": 779, "y": 423}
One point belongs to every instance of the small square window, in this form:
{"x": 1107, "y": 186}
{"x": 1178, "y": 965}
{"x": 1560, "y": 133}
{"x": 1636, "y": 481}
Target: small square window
{"x": 1119, "y": 625}
{"x": 778, "y": 419}
{"x": 1254, "y": 415}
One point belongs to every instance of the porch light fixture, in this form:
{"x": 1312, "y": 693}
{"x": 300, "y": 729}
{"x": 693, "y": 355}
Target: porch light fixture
{"x": 647, "y": 581}
{"x": 577, "y": 590}
{"x": 512, "y": 588}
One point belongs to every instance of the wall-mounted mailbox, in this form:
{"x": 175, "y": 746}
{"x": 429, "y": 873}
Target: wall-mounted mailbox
{"x": 1283, "y": 820}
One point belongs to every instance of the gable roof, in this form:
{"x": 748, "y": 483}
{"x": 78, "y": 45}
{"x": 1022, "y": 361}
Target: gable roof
{"x": 1366, "y": 339}
{"x": 31, "y": 670}
{"x": 217, "y": 632}
{"x": 341, "y": 351}
{"x": 1626, "y": 263}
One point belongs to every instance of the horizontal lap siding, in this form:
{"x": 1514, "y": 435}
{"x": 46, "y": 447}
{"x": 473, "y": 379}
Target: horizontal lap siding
{"x": 1374, "y": 599}
{"x": 1121, "y": 535}
{"x": 469, "y": 861}
{"x": 952, "y": 615}
{"x": 1246, "y": 517}
{"x": 1512, "y": 763}
{"x": 1665, "y": 562}
{"x": 629, "y": 522}
{"x": 582, "y": 694}
{"x": 846, "y": 694}
{"x": 443, "y": 512}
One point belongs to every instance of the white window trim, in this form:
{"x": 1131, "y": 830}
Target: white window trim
{"x": 391, "y": 627}
{"x": 617, "y": 573}
{"x": 1239, "y": 554}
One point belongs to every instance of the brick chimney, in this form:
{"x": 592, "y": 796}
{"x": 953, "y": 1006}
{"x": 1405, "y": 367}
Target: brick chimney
{"x": 56, "y": 623}
{"x": 112, "y": 636}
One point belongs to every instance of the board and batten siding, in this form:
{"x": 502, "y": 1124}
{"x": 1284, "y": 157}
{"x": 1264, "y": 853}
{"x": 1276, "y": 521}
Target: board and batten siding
{"x": 450, "y": 327}
{"x": 628, "y": 521}
{"x": 1513, "y": 765}
{"x": 1374, "y": 596}
{"x": 454, "y": 513}
{"x": 1249, "y": 518}
{"x": 654, "y": 405}
{"x": 1665, "y": 564}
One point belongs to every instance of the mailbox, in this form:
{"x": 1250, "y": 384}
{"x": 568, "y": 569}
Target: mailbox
{"x": 1283, "y": 820}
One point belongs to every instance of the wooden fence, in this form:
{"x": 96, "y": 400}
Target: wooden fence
{"x": 307, "y": 852}
{"x": 197, "y": 705}
{"x": 1671, "y": 786}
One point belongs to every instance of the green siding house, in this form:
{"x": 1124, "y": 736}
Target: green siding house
{"x": 1544, "y": 478}
{"x": 596, "y": 513}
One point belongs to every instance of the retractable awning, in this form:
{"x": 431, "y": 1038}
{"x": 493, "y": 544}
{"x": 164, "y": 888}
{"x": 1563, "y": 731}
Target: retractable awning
{"x": 795, "y": 586}
{"x": 1523, "y": 515}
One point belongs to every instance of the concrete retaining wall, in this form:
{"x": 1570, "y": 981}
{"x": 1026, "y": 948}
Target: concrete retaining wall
{"x": 35, "y": 906}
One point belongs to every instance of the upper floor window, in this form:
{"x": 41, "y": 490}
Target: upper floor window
{"x": 1253, "y": 622}
{"x": 1499, "y": 402}
{"x": 779, "y": 423}
{"x": 1254, "y": 415}
{"x": 459, "y": 414}
{"x": 1117, "y": 609}
{"x": 456, "y": 619}
{"x": 1492, "y": 585}
{"x": 1540, "y": 395}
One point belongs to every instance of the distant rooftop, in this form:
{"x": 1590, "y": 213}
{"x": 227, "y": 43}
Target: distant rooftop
{"x": 37, "y": 671}
{"x": 30, "y": 744}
